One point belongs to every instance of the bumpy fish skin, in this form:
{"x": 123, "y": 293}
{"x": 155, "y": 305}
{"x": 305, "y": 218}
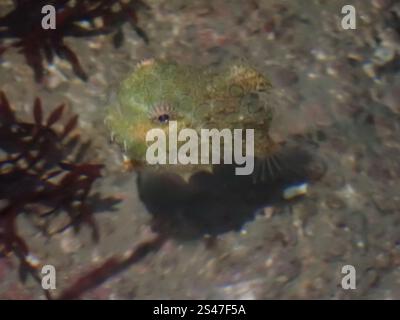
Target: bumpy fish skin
{"x": 195, "y": 97}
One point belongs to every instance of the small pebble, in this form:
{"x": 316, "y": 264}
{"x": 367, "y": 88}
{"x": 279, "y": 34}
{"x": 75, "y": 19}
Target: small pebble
{"x": 383, "y": 55}
{"x": 69, "y": 242}
{"x": 370, "y": 69}
{"x": 334, "y": 202}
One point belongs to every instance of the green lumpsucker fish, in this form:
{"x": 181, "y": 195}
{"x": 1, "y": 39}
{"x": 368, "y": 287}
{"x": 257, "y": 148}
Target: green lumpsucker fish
{"x": 158, "y": 93}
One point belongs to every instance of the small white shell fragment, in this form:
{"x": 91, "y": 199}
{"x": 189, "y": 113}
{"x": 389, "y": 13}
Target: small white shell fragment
{"x": 32, "y": 260}
{"x": 383, "y": 55}
{"x": 295, "y": 191}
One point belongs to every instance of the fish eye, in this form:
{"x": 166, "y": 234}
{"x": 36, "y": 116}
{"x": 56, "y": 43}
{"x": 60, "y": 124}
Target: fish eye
{"x": 164, "y": 118}
{"x": 161, "y": 113}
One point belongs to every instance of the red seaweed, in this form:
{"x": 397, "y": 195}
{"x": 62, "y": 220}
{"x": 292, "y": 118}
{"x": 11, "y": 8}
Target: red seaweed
{"x": 24, "y": 25}
{"x": 111, "y": 267}
{"x": 40, "y": 176}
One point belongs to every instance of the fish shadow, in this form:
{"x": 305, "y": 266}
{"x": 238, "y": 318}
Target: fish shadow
{"x": 212, "y": 203}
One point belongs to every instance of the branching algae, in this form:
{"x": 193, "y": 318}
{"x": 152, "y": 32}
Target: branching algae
{"x": 158, "y": 92}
